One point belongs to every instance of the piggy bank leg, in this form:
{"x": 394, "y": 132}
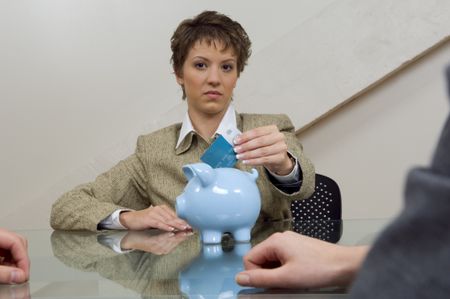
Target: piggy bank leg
{"x": 242, "y": 234}
{"x": 211, "y": 236}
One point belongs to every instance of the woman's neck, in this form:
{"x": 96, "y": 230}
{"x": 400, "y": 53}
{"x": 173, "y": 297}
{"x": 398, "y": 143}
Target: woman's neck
{"x": 206, "y": 125}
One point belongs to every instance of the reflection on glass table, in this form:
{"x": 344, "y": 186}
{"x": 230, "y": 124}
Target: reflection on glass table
{"x": 211, "y": 273}
{"x": 154, "y": 264}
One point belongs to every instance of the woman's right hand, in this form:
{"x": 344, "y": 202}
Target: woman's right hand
{"x": 161, "y": 217}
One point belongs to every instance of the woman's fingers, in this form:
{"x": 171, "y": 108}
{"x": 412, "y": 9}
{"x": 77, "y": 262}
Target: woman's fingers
{"x": 161, "y": 217}
{"x": 264, "y": 146}
{"x": 164, "y": 218}
{"x": 257, "y": 138}
{"x": 267, "y": 154}
{"x": 173, "y": 220}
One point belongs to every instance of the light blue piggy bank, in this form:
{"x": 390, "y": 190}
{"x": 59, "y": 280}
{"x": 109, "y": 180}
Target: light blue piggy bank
{"x": 219, "y": 200}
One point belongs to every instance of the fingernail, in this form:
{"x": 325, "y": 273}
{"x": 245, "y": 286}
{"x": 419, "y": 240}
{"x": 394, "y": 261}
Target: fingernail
{"x": 236, "y": 139}
{"x": 237, "y": 149}
{"x": 238, "y": 156}
{"x": 242, "y": 279}
{"x": 14, "y": 277}
{"x": 245, "y": 161}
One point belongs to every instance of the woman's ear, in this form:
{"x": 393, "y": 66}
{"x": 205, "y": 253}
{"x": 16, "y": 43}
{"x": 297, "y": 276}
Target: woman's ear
{"x": 180, "y": 80}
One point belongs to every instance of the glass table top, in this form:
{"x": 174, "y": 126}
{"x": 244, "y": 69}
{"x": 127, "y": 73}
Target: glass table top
{"x": 155, "y": 264}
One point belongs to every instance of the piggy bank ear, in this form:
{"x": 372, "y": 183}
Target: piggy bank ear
{"x": 253, "y": 175}
{"x": 205, "y": 173}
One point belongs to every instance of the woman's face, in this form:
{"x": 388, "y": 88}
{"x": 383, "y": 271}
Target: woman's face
{"x": 209, "y": 76}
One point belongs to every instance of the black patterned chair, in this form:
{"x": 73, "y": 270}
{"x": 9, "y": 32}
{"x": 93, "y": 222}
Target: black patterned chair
{"x": 320, "y": 216}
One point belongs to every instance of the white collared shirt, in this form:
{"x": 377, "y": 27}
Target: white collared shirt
{"x": 228, "y": 121}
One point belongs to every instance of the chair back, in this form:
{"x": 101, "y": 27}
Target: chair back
{"x": 320, "y": 215}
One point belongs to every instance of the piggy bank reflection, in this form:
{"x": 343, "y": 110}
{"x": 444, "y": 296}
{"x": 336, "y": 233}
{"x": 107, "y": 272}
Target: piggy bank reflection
{"x": 219, "y": 200}
{"x": 211, "y": 274}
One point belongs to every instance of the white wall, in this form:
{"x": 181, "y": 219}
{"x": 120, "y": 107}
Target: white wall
{"x": 79, "y": 80}
{"x": 369, "y": 145}
{"x": 338, "y": 52}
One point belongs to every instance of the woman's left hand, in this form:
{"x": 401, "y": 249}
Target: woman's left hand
{"x": 264, "y": 146}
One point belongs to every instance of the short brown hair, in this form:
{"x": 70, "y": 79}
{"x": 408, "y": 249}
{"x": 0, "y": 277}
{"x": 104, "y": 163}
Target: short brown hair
{"x": 209, "y": 26}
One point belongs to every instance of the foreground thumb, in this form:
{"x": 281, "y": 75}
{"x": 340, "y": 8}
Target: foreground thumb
{"x": 243, "y": 279}
{"x": 262, "y": 278}
{"x": 11, "y": 275}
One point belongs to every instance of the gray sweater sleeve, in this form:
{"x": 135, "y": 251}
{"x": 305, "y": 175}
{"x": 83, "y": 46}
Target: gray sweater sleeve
{"x": 411, "y": 258}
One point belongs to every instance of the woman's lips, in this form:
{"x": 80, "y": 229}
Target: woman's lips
{"x": 213, "y": 94}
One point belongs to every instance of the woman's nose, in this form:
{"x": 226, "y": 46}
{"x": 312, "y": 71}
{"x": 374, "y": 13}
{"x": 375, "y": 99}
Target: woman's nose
{"x": 214, "y": 76}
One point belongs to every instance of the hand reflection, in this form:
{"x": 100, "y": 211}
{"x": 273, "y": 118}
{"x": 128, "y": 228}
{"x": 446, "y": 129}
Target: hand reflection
{"x": 142, "y": 271}
{"x": 153, "y": 267}
{"x": 18, "y": 291}
{"x": 159, "y": 243}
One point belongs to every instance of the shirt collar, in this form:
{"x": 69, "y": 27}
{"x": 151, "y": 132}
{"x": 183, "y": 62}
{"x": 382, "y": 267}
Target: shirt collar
{"x": 228, "y": 121}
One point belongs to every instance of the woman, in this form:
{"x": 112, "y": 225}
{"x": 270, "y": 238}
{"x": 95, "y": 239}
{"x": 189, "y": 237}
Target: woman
{"x": 208, "y": 54}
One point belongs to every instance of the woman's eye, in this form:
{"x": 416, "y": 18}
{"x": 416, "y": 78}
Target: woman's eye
{"x": 200, "y": 65}
{"x": 227, "y": 67}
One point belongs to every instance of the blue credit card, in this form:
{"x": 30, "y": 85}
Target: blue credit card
{"x": 219, "y": 154}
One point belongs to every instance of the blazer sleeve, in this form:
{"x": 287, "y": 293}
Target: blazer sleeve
{"x": 123, "y": 186}
{"x": 286, "y": 127}
{"x": 295, "y": 148}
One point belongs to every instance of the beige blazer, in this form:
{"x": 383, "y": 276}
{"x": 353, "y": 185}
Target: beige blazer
{"x": 153, "y": 176}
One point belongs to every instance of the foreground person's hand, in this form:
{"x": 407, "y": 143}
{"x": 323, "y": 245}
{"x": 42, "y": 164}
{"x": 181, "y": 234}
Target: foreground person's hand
{"x": 290, "y": 260}
{"x": 14, "y": 261}
{"x": 160, "y": 217}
